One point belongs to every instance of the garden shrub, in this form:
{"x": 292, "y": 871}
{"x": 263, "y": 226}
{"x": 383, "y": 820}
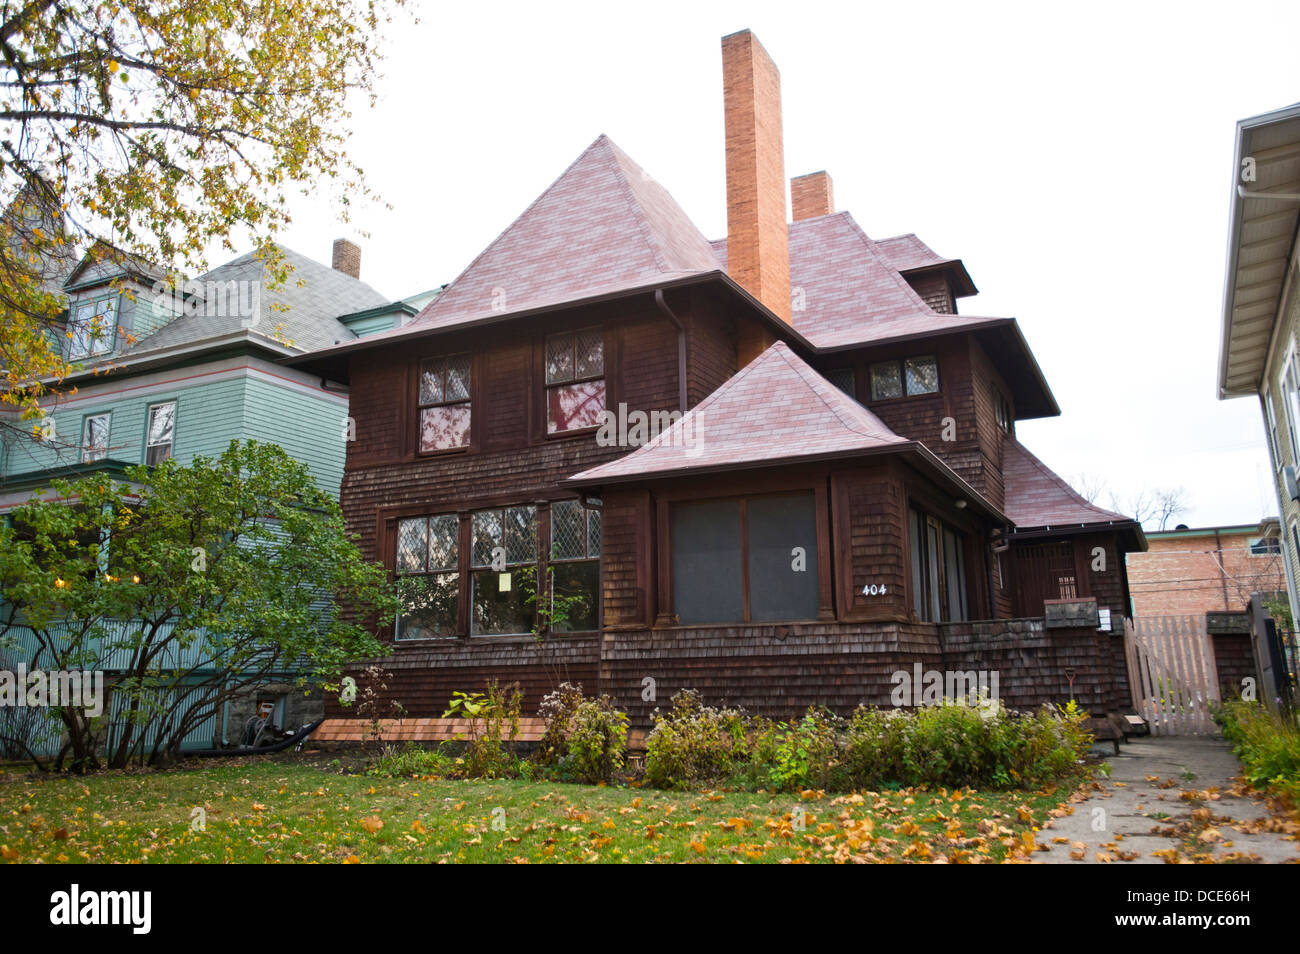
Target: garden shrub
{"x": 693, "y": 743}
{"x": 1268, "y": 746}
{"x": 413, "y": 761}
{"x": 952, "y": 745}
{"x": 494, "y": 730}
{"x": 585, "y": 739}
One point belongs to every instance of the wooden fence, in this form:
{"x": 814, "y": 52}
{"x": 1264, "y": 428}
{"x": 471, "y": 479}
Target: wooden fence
{"x": 1172, "y": 673}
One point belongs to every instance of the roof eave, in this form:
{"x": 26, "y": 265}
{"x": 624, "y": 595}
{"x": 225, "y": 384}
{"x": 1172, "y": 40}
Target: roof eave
{"x": 1236, "y": 206}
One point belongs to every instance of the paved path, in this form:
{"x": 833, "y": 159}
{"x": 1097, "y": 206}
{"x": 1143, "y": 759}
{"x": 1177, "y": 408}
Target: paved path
{"x": 1176, "y": 796}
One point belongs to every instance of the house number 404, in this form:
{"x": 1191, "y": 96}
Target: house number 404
{"x": 871, "y": 589}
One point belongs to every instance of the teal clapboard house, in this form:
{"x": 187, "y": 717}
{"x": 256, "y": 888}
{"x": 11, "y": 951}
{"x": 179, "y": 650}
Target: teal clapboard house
{"x": 180, "y": 371}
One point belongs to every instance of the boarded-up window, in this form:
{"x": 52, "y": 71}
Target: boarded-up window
{"x": 748, "y": 559}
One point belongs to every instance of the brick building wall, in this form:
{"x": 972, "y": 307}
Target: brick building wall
{"x": 1190, "y": 573}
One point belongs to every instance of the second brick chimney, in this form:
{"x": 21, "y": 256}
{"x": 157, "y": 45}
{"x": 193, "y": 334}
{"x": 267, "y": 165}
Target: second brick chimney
{"x": 758, "y": 251}
{"x": 347, "y": 257}
{"x": 811, "y": 196}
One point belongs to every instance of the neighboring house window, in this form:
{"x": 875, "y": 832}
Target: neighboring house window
{"x": 428, "y": 577}
{"x": 575, "y": 380}
{"x": 162, "y": 432}
{"x": 906, "y": 377}
{"x": 746, "y": 559}
{"x": 504, "y": 565}
{"x": 938, "y": 569}
{"x": 444, "y": 403}
{"x": 575, "y": 565}
{"x": 1286, "y": 384}
{"x": 1262, "y": 546}
{"x": 94, "y": 437}
{"x": 843, "y": 379}
{"x": 1002, "y": 411}
{"x": 92, "y": 327}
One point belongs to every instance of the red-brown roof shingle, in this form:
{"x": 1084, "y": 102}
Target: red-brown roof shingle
{"x": 1037, "y": 497}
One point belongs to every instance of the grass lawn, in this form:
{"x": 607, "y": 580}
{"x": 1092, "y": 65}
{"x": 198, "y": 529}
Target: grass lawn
{"x": 300, "y": 810}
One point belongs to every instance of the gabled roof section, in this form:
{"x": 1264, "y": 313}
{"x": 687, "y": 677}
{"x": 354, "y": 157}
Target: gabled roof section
{"x": 602, "y": 226}
{"x": 301, "y": 314}
{"x": 102, "y": 263}
{"x": 1261, "y": 239}
{"x": 1038, "y": 498}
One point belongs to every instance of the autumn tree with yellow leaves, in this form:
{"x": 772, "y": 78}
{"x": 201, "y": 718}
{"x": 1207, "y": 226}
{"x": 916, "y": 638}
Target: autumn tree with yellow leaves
{"x": 153, "y": 129}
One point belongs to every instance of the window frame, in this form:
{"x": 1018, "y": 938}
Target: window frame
{"x": 549, "y": 386}
{"x": 400, "y": 574}
{"x": 591, "y": 555}
{"x": 934, "y": 580}
{"x": 1258, "y": 546}
{"x": 900, "y": 365}
{"x": 99, "y": 347}
{"x": 148, "y": 427}
{"x": 665, "y": 615}
{"x": 1002, "y": 411}
{"x": 420, "y": 407}
{"x": 86, "y": 456}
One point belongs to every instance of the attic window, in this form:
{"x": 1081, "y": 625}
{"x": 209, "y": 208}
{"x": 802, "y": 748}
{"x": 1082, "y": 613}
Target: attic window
{"x": 91, "y": 328}
{"x": 905, "y": 377}
{"x": 444, "y": 403}
{"x": 1002, "y": 411}
{"x": 575, "y": 380}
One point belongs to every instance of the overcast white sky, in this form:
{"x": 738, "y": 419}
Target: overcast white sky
{"x": 1078, "y": 160}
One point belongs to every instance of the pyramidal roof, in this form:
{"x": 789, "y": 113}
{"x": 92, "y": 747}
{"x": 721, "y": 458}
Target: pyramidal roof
{"x": 602, "y": 226}
{"x": 776, "y": 410}
{"x": 1036, "y": 496}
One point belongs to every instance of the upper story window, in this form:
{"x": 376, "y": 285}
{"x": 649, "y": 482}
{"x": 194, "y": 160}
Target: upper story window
{"x": 1002, "y": 411}
{"x": 92, "y": 328}
{"x": 747, "y": 559}
{"x": 575, "y": 566}
{"x": 161, "y": 433}
{"x": 904, "y": 377}
{"x": 428, "y": 576}
{"x": 1274, "y": 445}
{"x": 94, "y": 437}
{"x": 1261, "y": 546}
{"x": 444, "y": 403}
{"x": 575, "y": 380}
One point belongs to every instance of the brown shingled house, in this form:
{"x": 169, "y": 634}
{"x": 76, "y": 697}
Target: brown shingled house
{"x": 775, "y": 468}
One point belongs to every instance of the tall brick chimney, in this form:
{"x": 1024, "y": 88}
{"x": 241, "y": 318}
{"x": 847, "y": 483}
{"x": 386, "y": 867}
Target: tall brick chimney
{"x": 347, "y": 257}
{"x": 758, "y": 250}
{"x": 811, "y": 195}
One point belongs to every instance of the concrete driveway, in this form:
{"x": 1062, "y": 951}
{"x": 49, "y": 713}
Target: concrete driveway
{"x": 1170, "y": 800}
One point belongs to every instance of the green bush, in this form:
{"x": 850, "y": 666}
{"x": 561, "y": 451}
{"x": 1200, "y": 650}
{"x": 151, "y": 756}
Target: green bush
{"x": 693, "y": 743}
{"x": 597, "y": 741}
{"x": 1268, "y": 746}
{"x": 412, "y": 761}
{"x": 489, "y": 751}
{"x": 953, "y": 745}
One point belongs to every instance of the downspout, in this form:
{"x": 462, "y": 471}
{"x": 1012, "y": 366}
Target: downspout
{"x": 662, "y": 305}
{"x": 1223, "y": 574}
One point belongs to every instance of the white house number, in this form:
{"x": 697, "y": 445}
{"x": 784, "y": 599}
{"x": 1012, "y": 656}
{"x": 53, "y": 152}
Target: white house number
{"x": 871, "y": 589}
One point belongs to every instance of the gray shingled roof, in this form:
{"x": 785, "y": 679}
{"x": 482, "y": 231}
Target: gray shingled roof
{"x": 306, "y": 306}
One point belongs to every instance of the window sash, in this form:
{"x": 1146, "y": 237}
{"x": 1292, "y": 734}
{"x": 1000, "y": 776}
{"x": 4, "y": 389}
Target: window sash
{"x": 94, "y": 437}
{"x": 161, "y": 433}
{"x": 444, "y": 403}
{"x": 93, "y": 328}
